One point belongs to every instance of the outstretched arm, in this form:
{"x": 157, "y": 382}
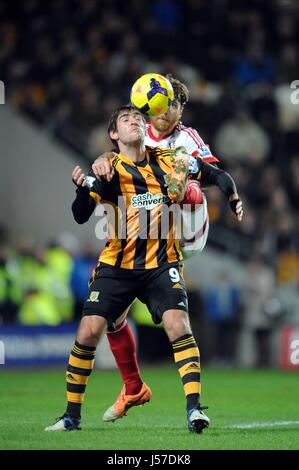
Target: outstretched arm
{"x": 208, "y": 175}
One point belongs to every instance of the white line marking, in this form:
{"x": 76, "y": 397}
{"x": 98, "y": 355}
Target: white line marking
{"x": 265, "y": 424}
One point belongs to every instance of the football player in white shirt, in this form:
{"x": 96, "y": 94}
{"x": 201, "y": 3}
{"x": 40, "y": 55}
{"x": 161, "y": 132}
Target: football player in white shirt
{"x": 165, "y": 131}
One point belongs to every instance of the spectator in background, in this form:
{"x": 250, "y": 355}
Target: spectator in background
{"x": 255, "y": 66}
{"x": 265, "y": 112}
{"x": 36, "y": 277}
{"x": 166, "y": 14}
{"x": 287, "y": 247}
{"x": 286, "y": 229}
{"x": 258, "y": 290}
{"x": 98, "y": 140}
{"x": 9, "y": 298}
{"x": 81, "y": 273}
{"x": 288, "y": 64}
{"x": 59, "y": 265}
{"x": 241, "y": 139}
{"x": 222, "y": 309}
{"x": 294, "y": 183}
{"x": 34, "y": 286}
{"x": 38, "y": 308}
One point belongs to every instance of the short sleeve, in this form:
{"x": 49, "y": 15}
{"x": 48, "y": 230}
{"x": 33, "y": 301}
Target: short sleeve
{"x": 196, "y": 146}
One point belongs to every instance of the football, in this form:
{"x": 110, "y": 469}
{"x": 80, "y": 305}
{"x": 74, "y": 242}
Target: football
{"x": 152, "y": 94}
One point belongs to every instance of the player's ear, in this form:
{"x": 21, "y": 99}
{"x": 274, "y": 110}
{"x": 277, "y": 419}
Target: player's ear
{"x": 113, "y": 135}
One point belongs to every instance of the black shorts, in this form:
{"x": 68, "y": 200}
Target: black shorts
{"x": 113, "y": 290}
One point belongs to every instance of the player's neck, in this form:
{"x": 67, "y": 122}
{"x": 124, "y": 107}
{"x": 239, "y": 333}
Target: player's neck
{"x": 159, "y": 135}
{"x": 136, "y": 153}
{"x": 156, "y": 133}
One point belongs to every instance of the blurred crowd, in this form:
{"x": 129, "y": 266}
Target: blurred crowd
{"x": 42, "y": 285}
{"x": 68, "y": 63}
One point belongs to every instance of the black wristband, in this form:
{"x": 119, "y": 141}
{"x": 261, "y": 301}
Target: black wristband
{"x": 233, "y": 205}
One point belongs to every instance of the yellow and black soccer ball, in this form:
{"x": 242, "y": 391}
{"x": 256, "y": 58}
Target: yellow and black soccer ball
{"x": 152, "y": 94}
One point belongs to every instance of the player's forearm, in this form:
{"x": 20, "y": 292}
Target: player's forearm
{"x": 210, "y": 175}
{"x": 225, "y": 182}
{"x": 83, "y": 206}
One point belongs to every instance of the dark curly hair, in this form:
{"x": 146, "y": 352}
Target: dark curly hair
{"x": 181, "y": 92}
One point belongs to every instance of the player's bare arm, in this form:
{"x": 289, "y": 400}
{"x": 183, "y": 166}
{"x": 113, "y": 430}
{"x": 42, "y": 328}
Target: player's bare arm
{"x": 102, "y": 166}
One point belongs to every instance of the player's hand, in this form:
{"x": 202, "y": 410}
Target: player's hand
{"x": 236, "y": 206}
{"x": 102, "y": 166}
{"x": 78, "y": 177}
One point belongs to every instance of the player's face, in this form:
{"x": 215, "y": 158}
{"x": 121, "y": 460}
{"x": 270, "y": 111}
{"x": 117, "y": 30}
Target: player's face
{"x": 130, "y": 127}
{"x": 166, "y": 122}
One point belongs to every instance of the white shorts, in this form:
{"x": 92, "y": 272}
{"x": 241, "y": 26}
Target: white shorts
{"x": 195, "y": 226}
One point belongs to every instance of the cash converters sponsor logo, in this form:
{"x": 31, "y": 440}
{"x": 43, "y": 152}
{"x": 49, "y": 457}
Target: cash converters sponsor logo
{"x": 148, "y": 200}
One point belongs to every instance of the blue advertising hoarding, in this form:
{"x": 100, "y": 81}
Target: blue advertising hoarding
{"x": 36, "y": 346}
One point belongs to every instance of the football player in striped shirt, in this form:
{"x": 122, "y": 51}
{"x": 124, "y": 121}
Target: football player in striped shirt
{"x": 134, "y": 264}
{"x": 165, "y": 131}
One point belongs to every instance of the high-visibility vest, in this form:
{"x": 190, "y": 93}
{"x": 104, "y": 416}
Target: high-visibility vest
{"x": 3, "y": 285}
{"x": 39, "y": 308}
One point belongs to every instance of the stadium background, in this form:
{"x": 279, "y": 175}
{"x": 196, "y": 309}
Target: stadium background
{"x": 65, "y": 66}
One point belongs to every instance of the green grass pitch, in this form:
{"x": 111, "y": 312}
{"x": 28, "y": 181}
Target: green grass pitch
{"x": 248, "y": 410}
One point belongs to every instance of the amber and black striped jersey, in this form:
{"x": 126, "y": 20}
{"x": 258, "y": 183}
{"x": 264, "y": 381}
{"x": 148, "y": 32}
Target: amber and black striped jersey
{"x": 141, "y": 191}
{"x": 135, "y": 201}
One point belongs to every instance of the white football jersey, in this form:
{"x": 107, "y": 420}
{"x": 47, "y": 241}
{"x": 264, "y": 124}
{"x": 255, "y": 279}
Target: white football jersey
{"x": 182, "y": 136}
{"x": 193, "y": 242}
